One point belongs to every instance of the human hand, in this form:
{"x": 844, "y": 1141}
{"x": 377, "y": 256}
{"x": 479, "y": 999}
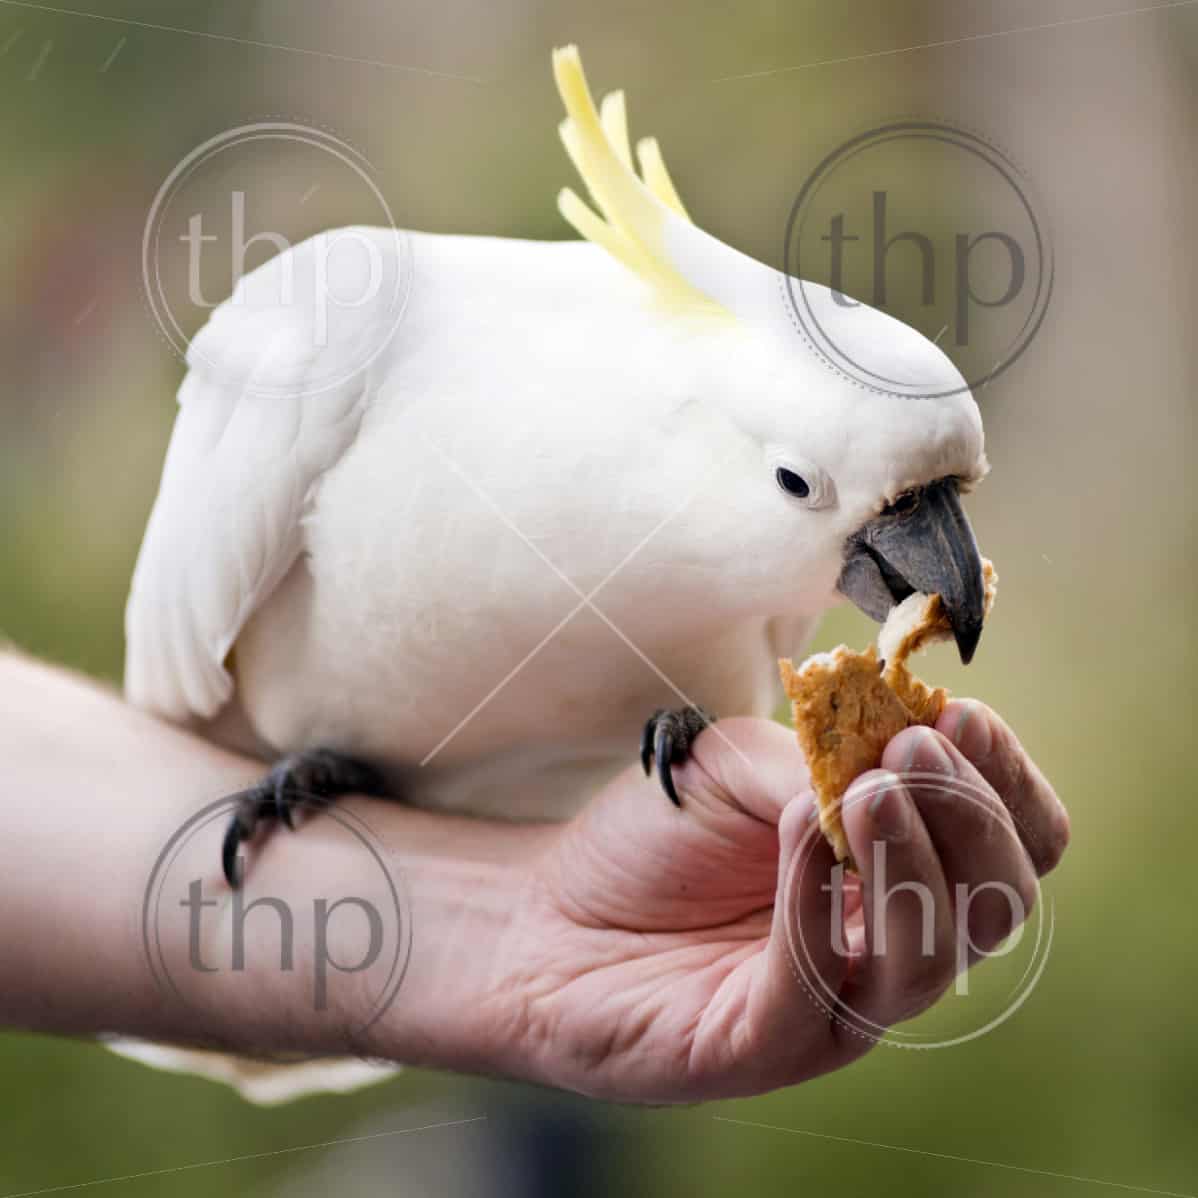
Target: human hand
{"x": 638, "y": 952}
{"x": 651, "y": 957}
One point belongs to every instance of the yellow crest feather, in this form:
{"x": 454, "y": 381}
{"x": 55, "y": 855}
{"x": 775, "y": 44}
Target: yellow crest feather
{"x": 630, "y": 226}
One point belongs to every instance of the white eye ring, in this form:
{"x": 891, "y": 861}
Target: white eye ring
{"x": 791, "y": 474}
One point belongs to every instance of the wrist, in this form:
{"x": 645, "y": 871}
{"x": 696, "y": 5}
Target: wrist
{"x": 468, "y": 885}
{"x": 80, "y": 923}
{"x": 378, "y": 931}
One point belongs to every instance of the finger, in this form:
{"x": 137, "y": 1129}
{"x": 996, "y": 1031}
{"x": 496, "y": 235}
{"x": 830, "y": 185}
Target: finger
{"x": 994, "y": 750}
{"x": 792, "y": 1001}
{"x": 986, "y": 867}
{"x": 755, "y": 765}
{"x": 909, "y": 953}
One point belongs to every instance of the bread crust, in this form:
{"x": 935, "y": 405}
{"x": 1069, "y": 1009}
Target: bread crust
{"x": 847, "y": 706}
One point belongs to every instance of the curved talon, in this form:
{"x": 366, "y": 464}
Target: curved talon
{"x": 228, "y": 852}
{"x": 666, "y": 740}
{"x": 313, "y": 778}
{"x": 664, "y": 752}
{"x": 249, "y": 808}
{"x": 283, "y": 803}
{"x": 647, "y": 733}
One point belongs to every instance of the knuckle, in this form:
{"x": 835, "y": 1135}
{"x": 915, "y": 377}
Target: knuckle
{"x": 1014, "y": 769}
{"x": 923, "y": 993}
{"x": 929, "y": 976}
{"x": 1048, "y": 849}
{"x": 1058, "y": 841}
{"x": 990, "y": 924}
{"x": 995, "y": 914}
{"x": 1006, "y": 764}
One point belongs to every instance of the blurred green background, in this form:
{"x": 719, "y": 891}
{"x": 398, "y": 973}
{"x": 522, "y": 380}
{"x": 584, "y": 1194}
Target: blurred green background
{"x": 1088, "y": 513}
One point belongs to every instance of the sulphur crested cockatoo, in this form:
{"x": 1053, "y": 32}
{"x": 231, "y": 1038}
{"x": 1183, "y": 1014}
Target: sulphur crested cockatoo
{"x": 463, "y": 555}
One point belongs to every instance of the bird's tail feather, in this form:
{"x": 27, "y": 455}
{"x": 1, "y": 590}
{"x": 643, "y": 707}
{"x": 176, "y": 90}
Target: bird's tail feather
{"x": 261, "y": 1082}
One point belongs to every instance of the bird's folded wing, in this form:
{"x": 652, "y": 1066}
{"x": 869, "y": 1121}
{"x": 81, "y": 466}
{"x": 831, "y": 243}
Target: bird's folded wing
{"x": 273, "y": 397}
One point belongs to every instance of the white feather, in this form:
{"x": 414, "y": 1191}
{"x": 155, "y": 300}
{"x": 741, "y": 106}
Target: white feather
{"x": 269, "y": 405}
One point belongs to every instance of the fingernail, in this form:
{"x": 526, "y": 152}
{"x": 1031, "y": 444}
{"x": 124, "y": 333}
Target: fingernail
{"x": 890, "y": 811}
{"x": 972, "y": 733}
{"x": 926, "y": 755}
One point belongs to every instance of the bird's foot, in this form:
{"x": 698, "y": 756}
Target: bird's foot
{"x": 667, "y": 739}
{"x": 313, "y": 778}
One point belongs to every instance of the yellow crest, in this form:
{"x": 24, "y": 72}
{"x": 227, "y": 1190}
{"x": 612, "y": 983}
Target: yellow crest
{"x": 630, "y": 228}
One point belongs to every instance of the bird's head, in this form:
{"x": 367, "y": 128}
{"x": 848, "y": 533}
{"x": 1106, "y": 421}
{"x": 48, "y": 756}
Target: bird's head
{"x": 859, "y": 491}
{"x": 840, "y": 486}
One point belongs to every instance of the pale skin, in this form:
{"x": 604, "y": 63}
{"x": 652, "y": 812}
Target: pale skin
{"x": 638, "y": 952}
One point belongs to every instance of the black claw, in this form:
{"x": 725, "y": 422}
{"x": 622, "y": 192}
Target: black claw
{"x": 228, "y": 853}
{"x": 647, "y": 740}
{"x": 316, "y": 777}
{"x": 283, "y": 803}
{"x": 666, "y": 740}
{"x": 665, "y": 745}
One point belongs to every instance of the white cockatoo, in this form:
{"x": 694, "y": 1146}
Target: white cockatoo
{"x": 464, "y": 555}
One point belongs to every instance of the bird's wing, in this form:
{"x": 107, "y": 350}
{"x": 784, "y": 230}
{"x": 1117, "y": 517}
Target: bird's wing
{"x": 273, "y": 397}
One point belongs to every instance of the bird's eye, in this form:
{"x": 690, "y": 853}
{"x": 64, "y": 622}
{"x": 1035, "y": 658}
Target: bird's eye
{"x": 906, "y": 503}
{"x": 800, "y": 478}
{"x": 792, "y": 483}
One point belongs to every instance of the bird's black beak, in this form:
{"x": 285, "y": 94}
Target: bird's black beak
{"x": 924, "y": 543}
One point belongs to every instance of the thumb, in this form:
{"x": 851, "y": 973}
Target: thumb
{"x": 753, "y": 764}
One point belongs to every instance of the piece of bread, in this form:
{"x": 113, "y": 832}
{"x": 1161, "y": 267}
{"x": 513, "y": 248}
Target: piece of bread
{"x": 847, "y": 705}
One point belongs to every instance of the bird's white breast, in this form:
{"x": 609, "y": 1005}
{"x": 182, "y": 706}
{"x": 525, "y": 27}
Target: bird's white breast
{"x": 513, "y": 459}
